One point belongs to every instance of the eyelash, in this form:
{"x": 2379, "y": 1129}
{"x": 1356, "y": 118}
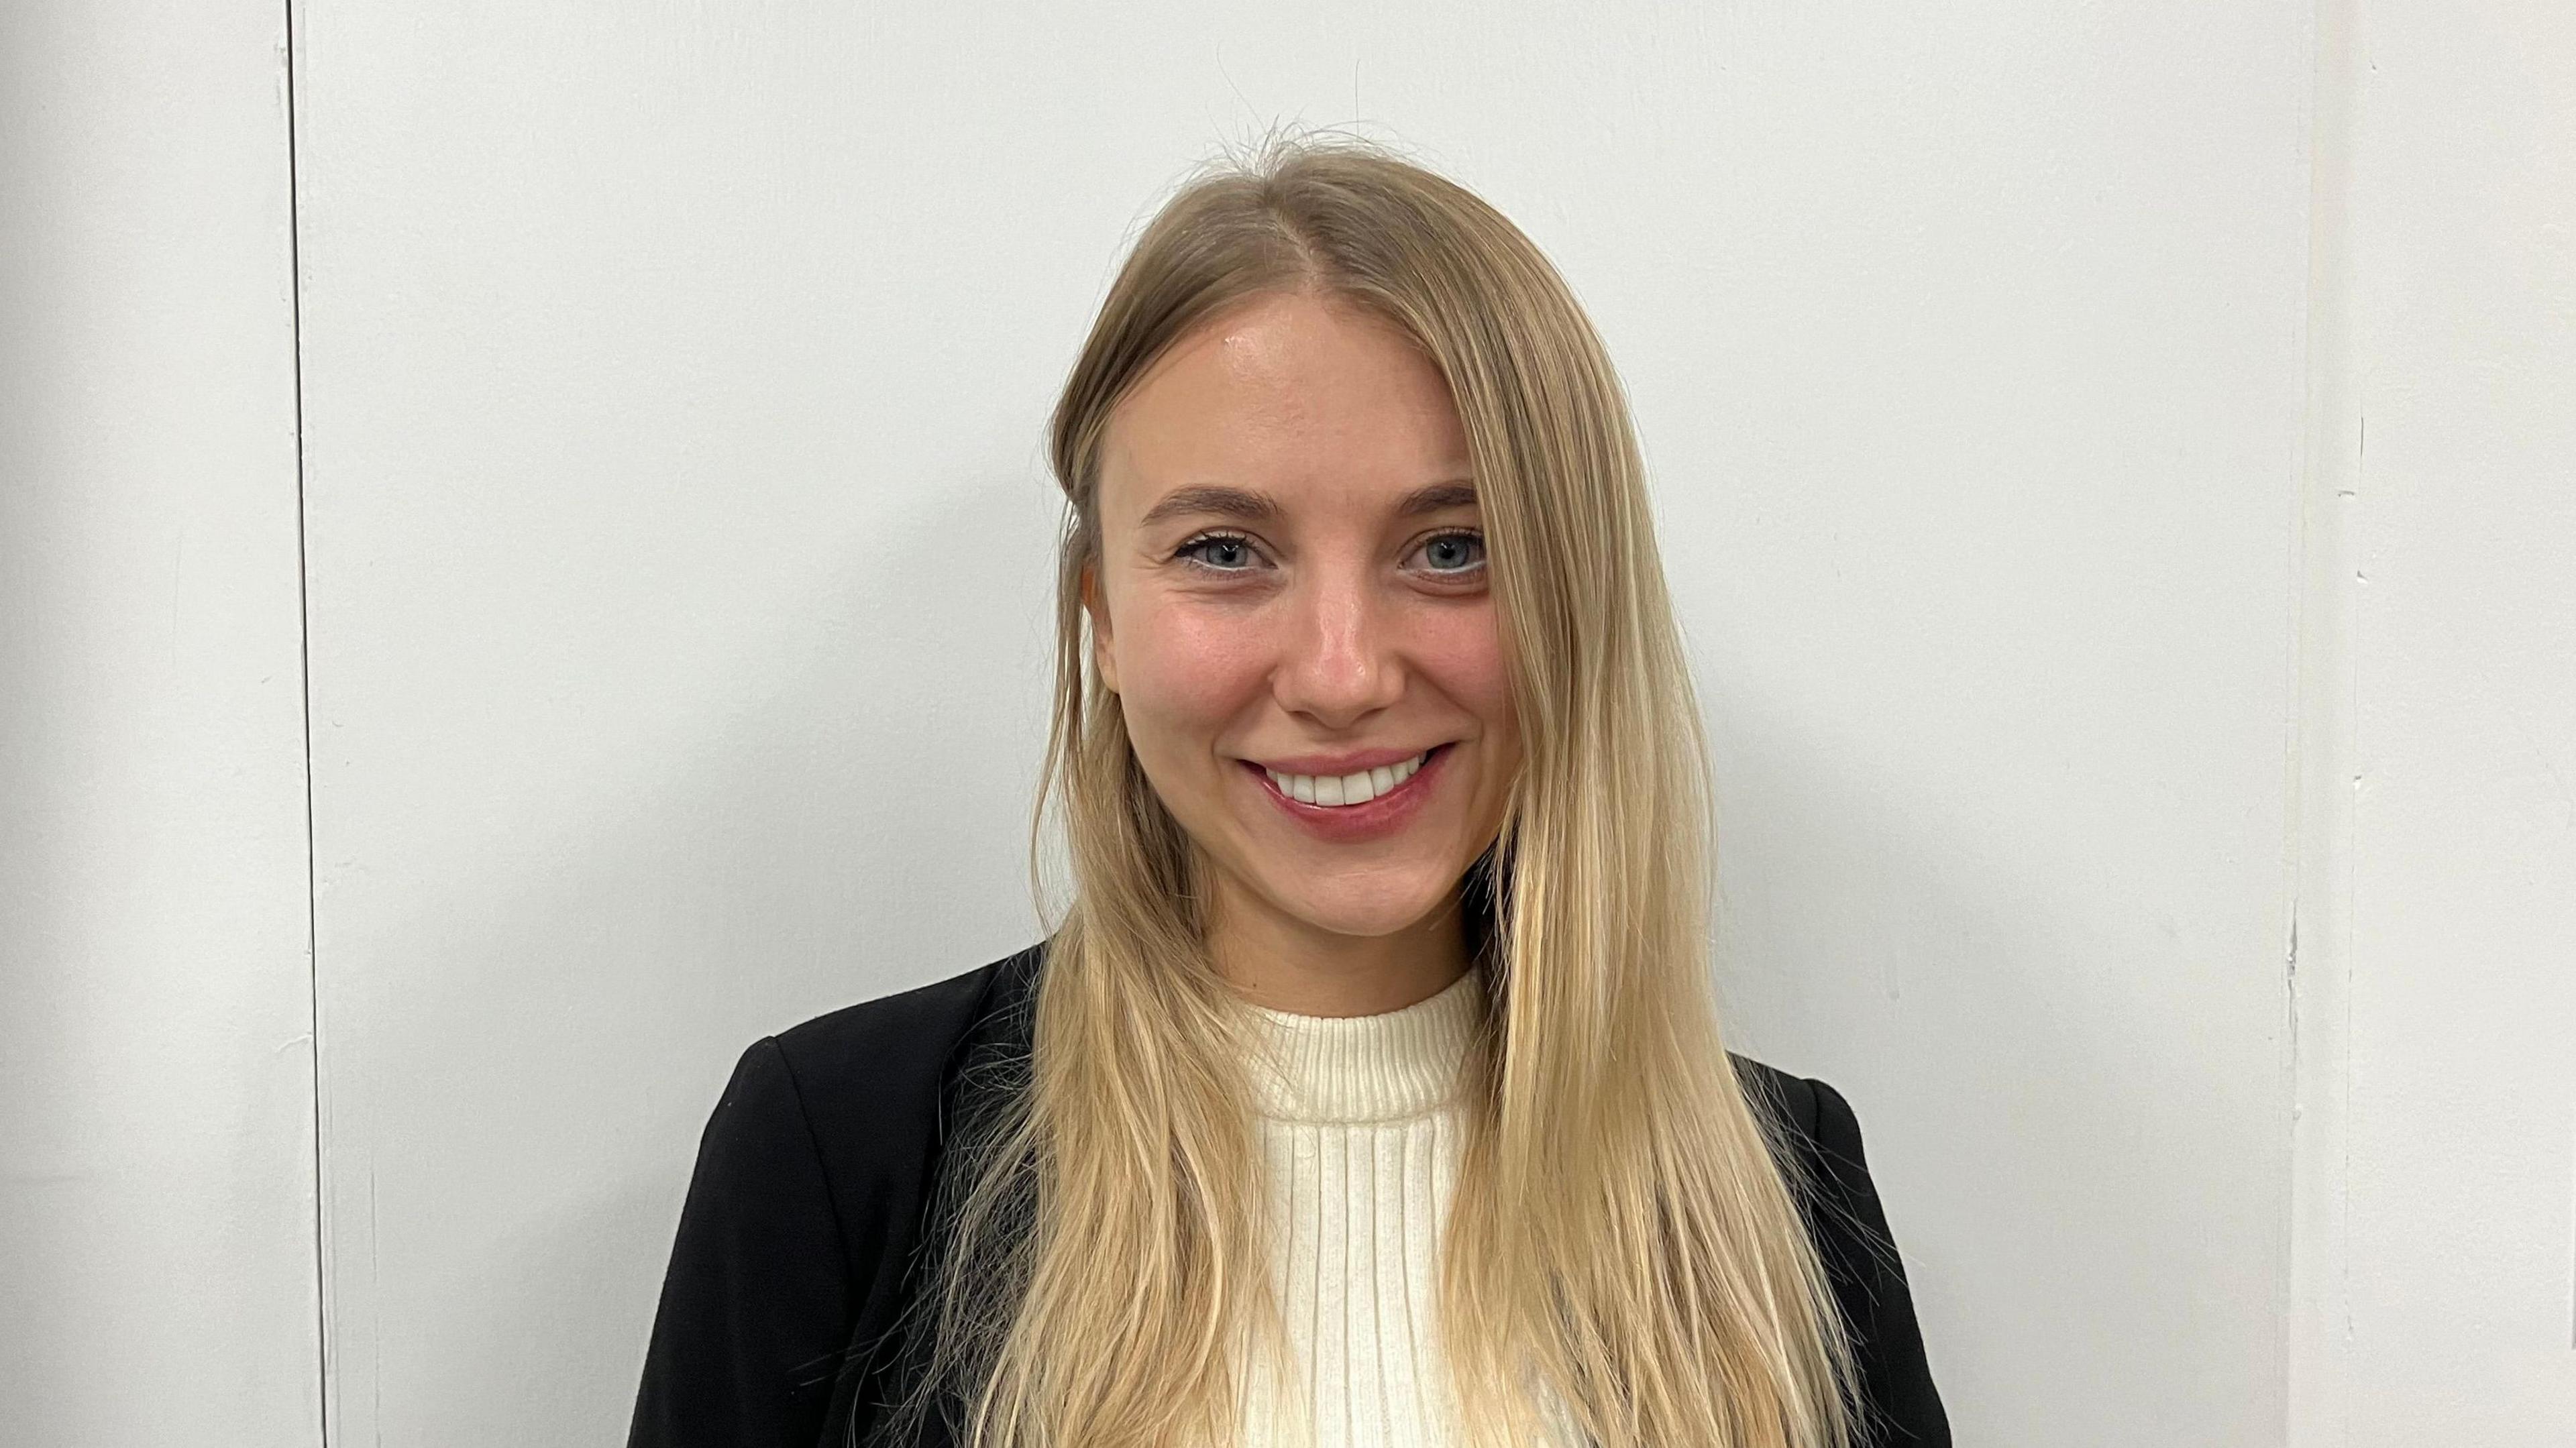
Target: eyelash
{"x": 1183, "y": 552}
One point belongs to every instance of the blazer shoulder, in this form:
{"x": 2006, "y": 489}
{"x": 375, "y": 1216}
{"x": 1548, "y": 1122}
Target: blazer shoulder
{"x": 786, "y": 1267}
{"x": 914, "y": 1029}
{"x": 1788, "y": 1099}
{"x": 871, "y": 1078}
{"x": 1827, "y": 1171}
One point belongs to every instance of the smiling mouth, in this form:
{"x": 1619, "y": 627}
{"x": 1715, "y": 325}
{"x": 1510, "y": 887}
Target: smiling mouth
{"x": 1341, "y": 791}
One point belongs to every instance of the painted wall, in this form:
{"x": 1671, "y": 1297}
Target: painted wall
{"x": 156, "y": 1072}
{"x": 2435, "y": 1292}
{"x": 2113, "y": 465}
{"x": 679, "y": 532}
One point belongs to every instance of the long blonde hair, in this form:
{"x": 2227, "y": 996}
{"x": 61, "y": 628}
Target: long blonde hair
{"x": 1623, "y": 1234}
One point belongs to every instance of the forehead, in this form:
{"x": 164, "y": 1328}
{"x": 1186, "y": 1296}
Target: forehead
{"x": 1300, "y": 396}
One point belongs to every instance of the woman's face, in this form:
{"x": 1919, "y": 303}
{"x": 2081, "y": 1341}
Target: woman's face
{"x": 1291, "y": 604}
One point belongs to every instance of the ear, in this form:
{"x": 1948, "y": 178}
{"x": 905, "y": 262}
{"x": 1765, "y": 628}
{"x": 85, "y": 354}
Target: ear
{"x": 1103, "y": 657}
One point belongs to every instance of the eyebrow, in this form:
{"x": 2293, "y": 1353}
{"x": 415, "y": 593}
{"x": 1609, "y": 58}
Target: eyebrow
{"x": 1254, "y": 506}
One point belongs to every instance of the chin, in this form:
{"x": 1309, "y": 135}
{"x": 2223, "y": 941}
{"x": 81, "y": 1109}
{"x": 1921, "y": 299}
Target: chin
{"x": 1365, "y": 907}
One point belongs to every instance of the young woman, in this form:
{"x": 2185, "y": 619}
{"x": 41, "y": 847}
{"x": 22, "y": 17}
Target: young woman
{"x": 1370, "y": 1089}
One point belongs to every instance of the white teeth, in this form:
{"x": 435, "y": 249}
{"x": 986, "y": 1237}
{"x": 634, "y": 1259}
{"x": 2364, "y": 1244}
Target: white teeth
{"x": 1334, "y": 790}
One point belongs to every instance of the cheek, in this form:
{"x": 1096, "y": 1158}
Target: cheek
{"x": 1189, "y": 671}
{"x": 1461, "y": 653}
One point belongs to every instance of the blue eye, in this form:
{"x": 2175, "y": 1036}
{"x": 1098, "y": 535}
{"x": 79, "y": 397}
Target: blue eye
{"x": 1454, "y": 552}
{"x": 1452, "y": 555}
{"x": 1218, "y": 552}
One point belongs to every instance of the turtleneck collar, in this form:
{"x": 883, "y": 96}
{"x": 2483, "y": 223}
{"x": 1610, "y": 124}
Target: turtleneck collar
{"x": 1385, "y": 1067}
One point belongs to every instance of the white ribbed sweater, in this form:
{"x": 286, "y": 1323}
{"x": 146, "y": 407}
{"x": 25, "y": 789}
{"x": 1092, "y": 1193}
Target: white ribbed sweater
{"x": 1361, "y": 1126}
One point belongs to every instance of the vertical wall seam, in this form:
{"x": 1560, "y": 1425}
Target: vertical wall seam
{"x": 2295, "y": 732}
{"x": 2320, "y": 844}
{"x": 304, "y": 644}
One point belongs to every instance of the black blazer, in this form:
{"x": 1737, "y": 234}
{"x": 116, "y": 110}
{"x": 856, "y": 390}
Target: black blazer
{"x": 795, "y": 1253}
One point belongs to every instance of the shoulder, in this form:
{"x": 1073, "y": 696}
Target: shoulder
{"x": 1809, "y": 1118}
{"x": 1788, "y": 1100}
{"x": 848, "y": 1091}
{"x": 1817, "y": 1138}
{"x": 888, "y": 1055}
{"x": 804, "y": 1198}
{"x": 896, "y": 1026}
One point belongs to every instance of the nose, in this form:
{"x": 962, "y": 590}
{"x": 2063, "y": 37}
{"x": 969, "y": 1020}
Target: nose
{"x": 1337, "y": 664}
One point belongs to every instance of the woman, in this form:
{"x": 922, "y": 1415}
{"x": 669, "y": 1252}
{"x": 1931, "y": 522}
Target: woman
{"x": 1371, "y": 1086}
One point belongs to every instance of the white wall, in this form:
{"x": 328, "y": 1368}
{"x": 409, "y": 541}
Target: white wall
{"x": 157, "y": 1280}
{"x": 2436, "y": 1291}
{"x": 1972, "y": 391}
{"x": 675, "y": 538}
{"x": 674, "y": 391}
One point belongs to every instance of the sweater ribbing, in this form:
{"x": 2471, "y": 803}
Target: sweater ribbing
{"x": 1361, "y": 1125}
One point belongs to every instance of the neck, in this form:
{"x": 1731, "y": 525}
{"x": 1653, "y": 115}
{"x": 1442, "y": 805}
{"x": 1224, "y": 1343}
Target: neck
{"x": 1287, "y": 964}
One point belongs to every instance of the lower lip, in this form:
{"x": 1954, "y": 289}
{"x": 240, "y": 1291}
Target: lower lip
{"x": 1376, "y": 819}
